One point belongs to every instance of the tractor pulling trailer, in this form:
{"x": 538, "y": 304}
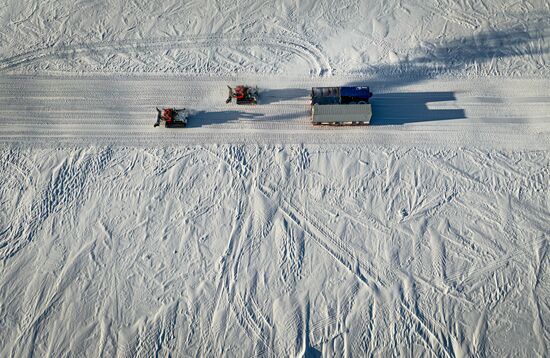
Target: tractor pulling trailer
{"x": 340, "y": 105}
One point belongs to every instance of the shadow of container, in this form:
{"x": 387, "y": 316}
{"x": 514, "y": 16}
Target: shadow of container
{"x": 412, "y": 107}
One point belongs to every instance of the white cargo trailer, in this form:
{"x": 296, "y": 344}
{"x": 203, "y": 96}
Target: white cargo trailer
{"x": 349, "y": 114}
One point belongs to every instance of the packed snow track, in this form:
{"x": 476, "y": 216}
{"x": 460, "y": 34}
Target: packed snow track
{"x": 110, "y": 110}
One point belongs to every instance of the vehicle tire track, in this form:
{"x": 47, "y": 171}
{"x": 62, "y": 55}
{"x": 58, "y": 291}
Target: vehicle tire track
{"x": 235, "y": 159}
{"x": 329, "y": 243}
{"x": 65, "y": 188}
{"x": 301, "y": 48}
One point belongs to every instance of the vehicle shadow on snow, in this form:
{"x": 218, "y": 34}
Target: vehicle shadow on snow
{"x": 203, "y": 118}
{"x": 412, "y": 107}
{"x": 488, "y": 51}
{"x": 268, "y": 96}
{"x": 485, "y": 51}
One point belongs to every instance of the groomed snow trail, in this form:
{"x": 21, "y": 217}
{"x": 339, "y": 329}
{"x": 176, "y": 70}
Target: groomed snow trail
{"x": 105, "y": 110}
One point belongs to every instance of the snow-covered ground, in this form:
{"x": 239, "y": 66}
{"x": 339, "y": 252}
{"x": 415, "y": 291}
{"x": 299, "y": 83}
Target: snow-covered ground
{"x": 252, "y": 232}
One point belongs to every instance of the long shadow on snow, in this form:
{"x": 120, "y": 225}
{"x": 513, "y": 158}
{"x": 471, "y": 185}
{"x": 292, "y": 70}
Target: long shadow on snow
{"x": 269, "y": 96}
{"x": 455, "y": 56}
{"x": 404, "y": 107}
{"x": 204, "y": 118}
{"x": 443, "y": 57}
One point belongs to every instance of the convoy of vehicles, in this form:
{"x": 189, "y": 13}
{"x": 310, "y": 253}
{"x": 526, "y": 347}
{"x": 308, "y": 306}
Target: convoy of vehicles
{"x": 329, "y": 106}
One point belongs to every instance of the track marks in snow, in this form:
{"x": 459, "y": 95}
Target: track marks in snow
{"x": 225, "y": 291}
{"x": 291, "y": 253}
{"x": 105, "y": 110}
{"x": 292, "y": 44}
{"x": 252, "y": 321}
{"x": 289, "y": 216}
{"x": 20, "y": 175}
{"x": 327, "y": 241}
{"x": 65, "y": 187}
{"x": 154, "y": 336}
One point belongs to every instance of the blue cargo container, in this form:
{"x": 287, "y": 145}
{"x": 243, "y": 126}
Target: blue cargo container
{"x": 359, "y": 93}
{"x": 340, "y": 95}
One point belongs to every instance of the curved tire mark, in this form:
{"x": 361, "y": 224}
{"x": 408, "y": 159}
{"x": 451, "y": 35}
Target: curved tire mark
{"x": 317, "y": 61}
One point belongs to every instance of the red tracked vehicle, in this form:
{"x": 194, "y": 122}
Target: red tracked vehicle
{"x": 243, "y": 94}
{"x": 172, "y": 118}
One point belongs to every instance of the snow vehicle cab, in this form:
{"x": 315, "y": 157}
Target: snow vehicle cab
{"x": 341, "y": 105}
{"x": 243, "y": 94}
{"x": 172, "y": 118}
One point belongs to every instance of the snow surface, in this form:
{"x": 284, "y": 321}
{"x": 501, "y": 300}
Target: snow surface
{"x": 252, "y": 232}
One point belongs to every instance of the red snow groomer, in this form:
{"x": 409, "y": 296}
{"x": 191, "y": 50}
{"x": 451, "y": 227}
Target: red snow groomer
{"x": 243, "y": 94}
{"x": 172, "y": 118}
